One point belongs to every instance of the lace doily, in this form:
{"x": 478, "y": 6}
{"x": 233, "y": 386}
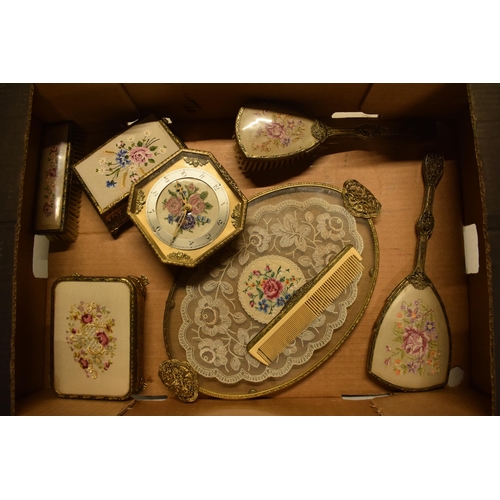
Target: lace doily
{"x": 290, "y": 234}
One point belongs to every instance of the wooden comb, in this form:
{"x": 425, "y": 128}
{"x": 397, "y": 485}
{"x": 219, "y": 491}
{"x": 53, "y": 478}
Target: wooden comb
{"x": 306, "y": 304}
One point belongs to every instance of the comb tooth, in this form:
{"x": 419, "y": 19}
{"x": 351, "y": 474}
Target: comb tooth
{"x": 310, "y": 302}
{"x": 286, "y": 334}
{"x": 335, "y": 285}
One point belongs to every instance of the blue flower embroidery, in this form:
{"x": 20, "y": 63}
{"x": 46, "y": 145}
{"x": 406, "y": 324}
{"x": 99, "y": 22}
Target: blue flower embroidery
{"x": 122, "y": 158}
{"x": 189, "y": 222}
{"x": 263, "y": 306}
{"x": 201, "y": 219}
{"x": 110, "y": 184}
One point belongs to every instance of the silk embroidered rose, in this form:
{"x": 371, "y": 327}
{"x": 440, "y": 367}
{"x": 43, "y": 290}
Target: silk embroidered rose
{"x": 415, "y": 346}
{"x": 140, "y": 155}
{"x": 87, "y": 318}
{"x": 102, "y": 338}
{"x": 89, "y": 337}
{"x": 414, "y": 342}
{"x": 275, "y": 129}
{"x": 187, "y": 197}
{"x": 279, "y": 130}
{"x": 269, "y": 286}
{"x": 197, "y": 204}
{"x": 174, "y": 205}
{"x": 129, "y": 160}
{"x": 272, "y": 288}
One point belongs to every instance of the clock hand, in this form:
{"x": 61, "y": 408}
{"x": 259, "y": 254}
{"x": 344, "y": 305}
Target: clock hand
{"x": 178, "y": 188}
{"x": 187, "y": 208}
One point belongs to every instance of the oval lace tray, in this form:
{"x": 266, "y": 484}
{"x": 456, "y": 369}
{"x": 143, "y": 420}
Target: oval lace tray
{"x": 213, "y": 311}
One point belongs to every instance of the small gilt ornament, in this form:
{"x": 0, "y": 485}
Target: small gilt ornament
{"x": 180, "y": 378}
{"x": 359, "y": 200}
{"x": 141, "y": 199}
{"x": 195, "y": 162}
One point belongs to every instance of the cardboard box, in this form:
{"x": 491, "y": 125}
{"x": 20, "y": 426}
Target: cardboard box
{"x": 203, "y": 117}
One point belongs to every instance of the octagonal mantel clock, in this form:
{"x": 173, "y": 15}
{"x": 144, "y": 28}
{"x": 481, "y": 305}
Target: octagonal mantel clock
{"x": 187, "y": 208}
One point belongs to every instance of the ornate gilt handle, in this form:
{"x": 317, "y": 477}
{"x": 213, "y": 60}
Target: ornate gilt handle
{"x": 415, "y": 128}
{"x": 432, "y": 171}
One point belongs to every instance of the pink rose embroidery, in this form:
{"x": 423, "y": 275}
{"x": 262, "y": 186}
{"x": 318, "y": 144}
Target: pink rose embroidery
{"x": 87, "y": 318}
{"x": 140, "y": 154}
{"x": 414, "y": 342}
{"x": 174, "y": 205}
{"x": 90, "y": 323}
{"x": 415, "y": 349}
{"x": 103, "y": 338}
{"x": 275, "y": 129}
{"x": 272, "y": 288}
{"x": 197, "y": 204}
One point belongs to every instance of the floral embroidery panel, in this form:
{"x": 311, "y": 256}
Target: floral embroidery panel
{"x": 270, "y": 133}
{"x": 229, "y": 298}
{"x": 90, "y": 337}
{"x": 415, "y": 347}
{"x": 266, "y": 284}
{"x": 129, "y": 160}
{"x": 93, "y": 337}
{"x": 200, "y": 199}
{"x": 111, "y": 171}
{"x": 278, "y": 131}
{"x": 412, "y": 341}
{"x": 52, "y": 175}
{"x": 50, "y": 181}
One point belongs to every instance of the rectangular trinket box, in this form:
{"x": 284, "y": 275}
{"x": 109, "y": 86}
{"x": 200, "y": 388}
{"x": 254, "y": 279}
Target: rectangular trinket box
{"x": 96, "y": 336}
{"x": 108, "y": 173}
{"x": 58, "y": 197}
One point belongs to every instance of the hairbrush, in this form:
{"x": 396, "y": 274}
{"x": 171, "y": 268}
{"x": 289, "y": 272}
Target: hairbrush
{"x": 273, "y": 136}
{"x": 58, "y": 195}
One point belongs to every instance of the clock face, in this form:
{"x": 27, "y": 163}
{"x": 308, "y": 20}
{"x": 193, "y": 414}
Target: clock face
{"x": 187, "y": 208}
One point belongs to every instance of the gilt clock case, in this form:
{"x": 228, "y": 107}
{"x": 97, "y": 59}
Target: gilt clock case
{"x": 187, "y": 208}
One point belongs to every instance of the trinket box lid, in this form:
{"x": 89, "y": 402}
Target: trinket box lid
{"x": 96, "y": 334}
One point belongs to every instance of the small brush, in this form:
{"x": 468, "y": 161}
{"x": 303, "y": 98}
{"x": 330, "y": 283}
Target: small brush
{"x": 273, "y": 137}
{"x": 59, "y": 196}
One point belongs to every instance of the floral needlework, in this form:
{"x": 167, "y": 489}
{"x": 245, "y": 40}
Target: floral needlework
{"x": 229, "y": 298}
{"x": 50, "y": 181}
{"x": 267, "y": 284}
{"x": 415, "y": 345}
{"x": 131, "y": 159}
{"x": 187, "y": 205}
{"x": 279, "y": 131}
{"x": 89, "y": 336}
